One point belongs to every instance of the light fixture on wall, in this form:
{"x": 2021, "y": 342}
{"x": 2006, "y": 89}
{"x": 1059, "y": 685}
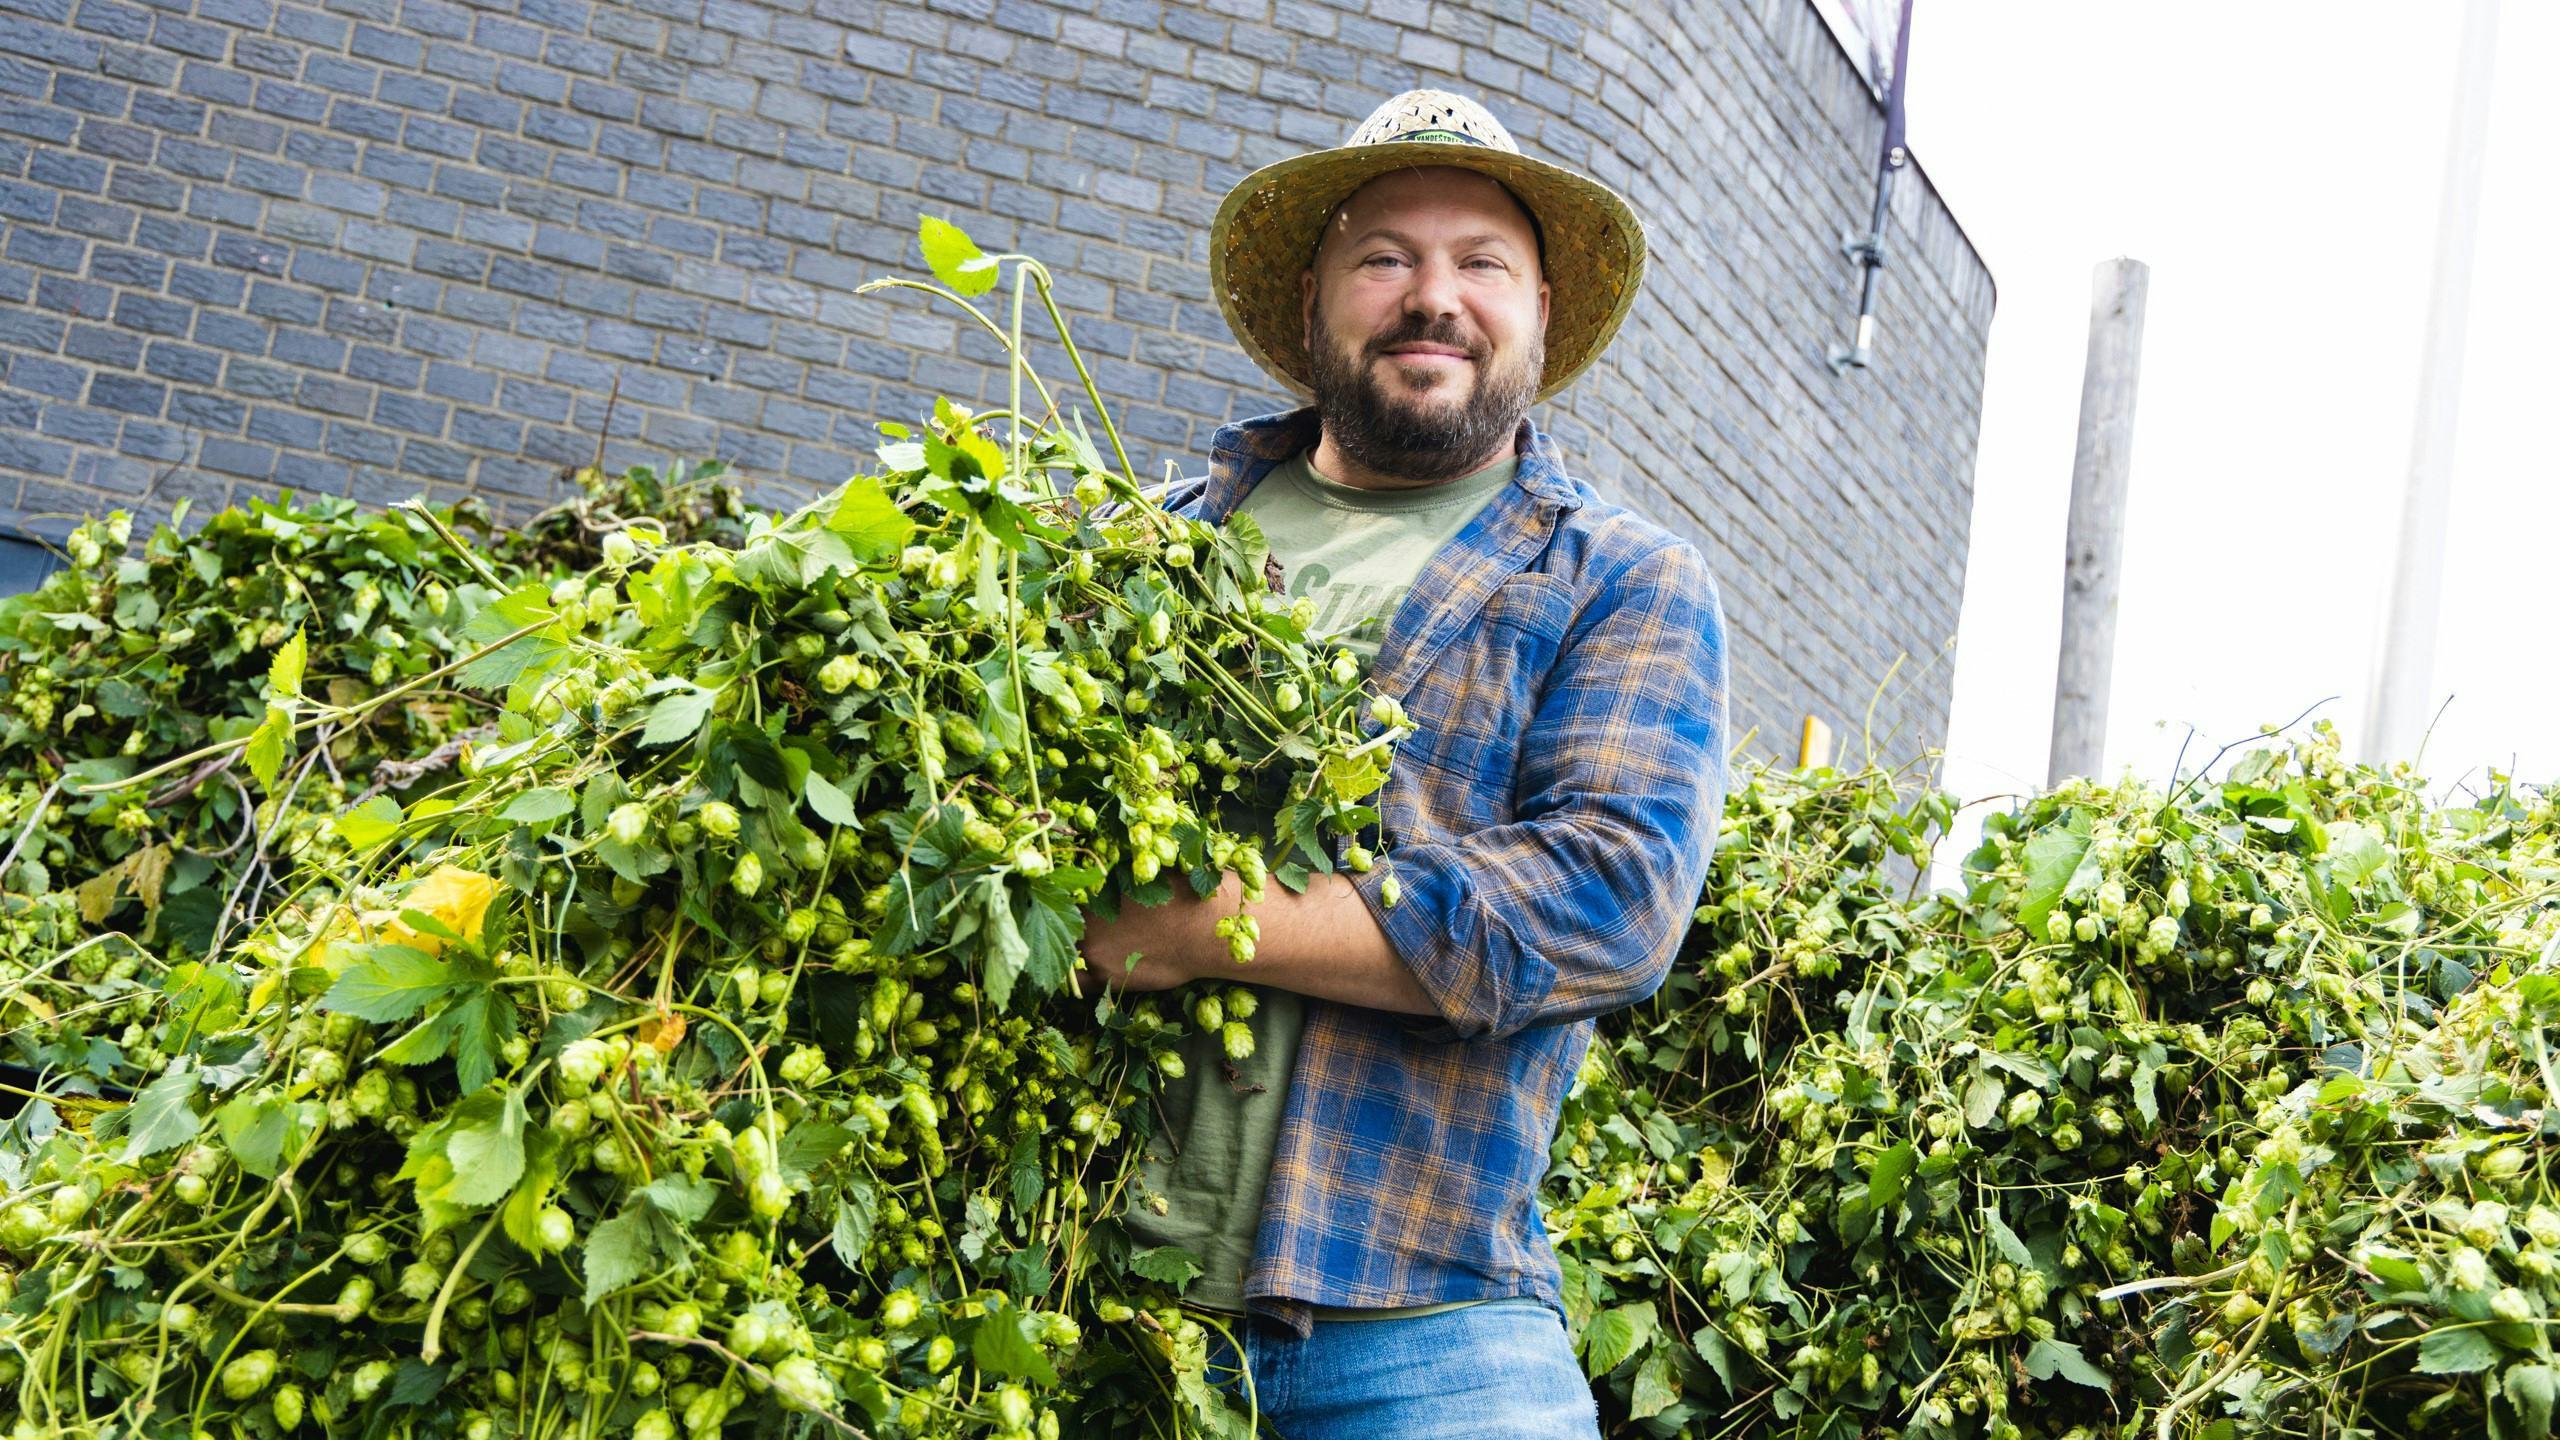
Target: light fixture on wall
{"x": 1866, "y": 248}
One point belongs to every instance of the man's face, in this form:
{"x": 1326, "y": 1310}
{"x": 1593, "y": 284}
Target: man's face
{"x": 1426, "y": 318}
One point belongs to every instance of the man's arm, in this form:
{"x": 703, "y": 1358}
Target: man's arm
{"x": 1323, "y": 943}
{"x": 1576, "y": 907}
{"x": 1573, "y": 909}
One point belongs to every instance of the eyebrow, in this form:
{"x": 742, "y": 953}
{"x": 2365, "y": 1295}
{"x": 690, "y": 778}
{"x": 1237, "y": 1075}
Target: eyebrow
{"x": 1381, "y": 232}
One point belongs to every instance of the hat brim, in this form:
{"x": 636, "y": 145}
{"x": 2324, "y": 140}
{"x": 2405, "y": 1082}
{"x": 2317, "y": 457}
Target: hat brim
{"x": 1266, "y": 232}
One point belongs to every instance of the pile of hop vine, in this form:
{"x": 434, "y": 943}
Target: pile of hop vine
{"x": 710, "y": 1048}
{"x": 2220, "y": 1108}
{"x": 146, "y": 647}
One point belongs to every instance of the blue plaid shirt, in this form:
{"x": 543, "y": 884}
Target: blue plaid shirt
{"x": 1549, "y": 822}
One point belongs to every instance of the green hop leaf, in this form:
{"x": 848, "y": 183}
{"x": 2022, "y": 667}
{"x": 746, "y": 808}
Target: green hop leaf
{"x": 956, "y": 260}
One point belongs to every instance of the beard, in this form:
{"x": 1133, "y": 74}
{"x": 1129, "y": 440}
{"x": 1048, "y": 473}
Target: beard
{"x": 1426, "y": 437}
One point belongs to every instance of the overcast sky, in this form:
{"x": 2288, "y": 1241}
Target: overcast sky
{"x": 2278, "y": 170}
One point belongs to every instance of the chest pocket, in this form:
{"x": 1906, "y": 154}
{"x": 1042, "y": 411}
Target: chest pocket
{"x": 1482, "y": 693}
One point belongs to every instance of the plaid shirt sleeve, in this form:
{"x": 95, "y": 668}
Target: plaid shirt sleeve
{"x": 1577, "y": 906}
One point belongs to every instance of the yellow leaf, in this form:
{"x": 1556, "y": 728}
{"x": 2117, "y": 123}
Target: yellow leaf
{"x": 150, "y": 870}
{"x": 139, "y": 873}
{"x": 98, "y": 894}
{"x": 1353, "y": 777}
{"x": 341, "y": 938}
{"x": 78, "y": 1110}
{"x": 662, "y": 1033}
{"x": 1715, "y": 1168}
{"x": 457, "y": 898}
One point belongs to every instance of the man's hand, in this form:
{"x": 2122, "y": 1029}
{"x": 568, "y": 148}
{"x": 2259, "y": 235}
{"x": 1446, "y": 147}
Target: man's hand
{"x": 1171, "y": 939}
{"x": 1322, "y": 943}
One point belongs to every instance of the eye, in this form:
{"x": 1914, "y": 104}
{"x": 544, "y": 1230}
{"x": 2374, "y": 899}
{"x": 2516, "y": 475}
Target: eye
{"x": 1384, "y": 259}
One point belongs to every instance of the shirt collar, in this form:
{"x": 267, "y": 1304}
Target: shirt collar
{"x": 1241, "y": 454}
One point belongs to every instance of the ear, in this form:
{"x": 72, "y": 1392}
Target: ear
{"x": 1542, "y": 306}
{"x": 1307, "y": 307}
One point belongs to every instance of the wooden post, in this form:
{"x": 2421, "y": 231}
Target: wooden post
{"x": 2091, "y": 566}
{"x": 2396, "y": 714}
{"x": 1813, "y": 750}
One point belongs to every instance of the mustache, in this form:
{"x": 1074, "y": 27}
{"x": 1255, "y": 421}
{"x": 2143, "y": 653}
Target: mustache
{"x": 1414, "y": 330}
{"x": 1382, "y": 432}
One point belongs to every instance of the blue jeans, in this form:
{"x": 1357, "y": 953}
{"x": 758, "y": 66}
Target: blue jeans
{"x": 1502, "y": 1370}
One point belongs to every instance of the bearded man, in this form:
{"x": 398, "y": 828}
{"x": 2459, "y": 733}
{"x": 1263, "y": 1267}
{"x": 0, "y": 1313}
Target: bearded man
{"x": 1362, "y": 1190}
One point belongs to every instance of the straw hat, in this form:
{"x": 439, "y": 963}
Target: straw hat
{"x": 1266, "y": 232}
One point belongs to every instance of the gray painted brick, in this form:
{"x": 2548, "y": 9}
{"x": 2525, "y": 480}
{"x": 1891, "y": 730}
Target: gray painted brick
{"x": 196, "y": 410}
{"x": 341, "y": 75}
{"x": 98, "y": 426}
{"x": 415, "y": 92}
{"x": 455, "y": 62}
{"x": 388, "y": 47}
{"x": 207, "y": 287}
{"x": 31, "y": 331}
{"x": 200, "y": 162}
{"x": 40, "y": 122}
{"x": 395, "y": 179}
{"x": 93, "y": 219}
{"x": 127, "y": 267}
{"x": 506, "y": 37}
{"x": 268, "y": 178}
{"x": 128, "y": 394}
{"x": 293, "y": 102}
{"x": 311, "y": 352}
{"x": 90, "y": 95}
{"x": 311, "y": 27}
{"x": 362, "y": 444}
{"x": 257, "y": 379}
{"x": 471, "y": 187}
{"x": 260, "y": 55}
{"x": 280, "y": 302}
{"x": 118, "y": 142}
{"x": 153, "y": 317}
{"x": 230, "y": 332}
{"x": 437, "y": 338}
{"x": 320, "y": 152}
{"x": 382, "y": 367}
{"x": 51, "y": 378}
{"x": 29, "y": 454}
{"x": 413, "y": 414}
{"x": 370, "y": 122}
{"x": 328, "y": 272}
{"x": 182, "y": 363}
{"x": 58, "y": 170}
{"x": 285, "y": 428}
{"x": 311, "y": 475}
{"x": 236, "y": 457}
{"x": 188, "y": 37}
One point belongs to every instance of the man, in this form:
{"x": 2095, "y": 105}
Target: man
{"x": 1365, "y": 1185}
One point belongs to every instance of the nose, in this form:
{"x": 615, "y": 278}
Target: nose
{"x": 1434, "y": 292}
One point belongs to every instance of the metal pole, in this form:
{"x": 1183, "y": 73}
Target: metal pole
{"x": 2099, "y": 472}
{"x": 1868, "y": 249}
{"x": 2396, "y": 715}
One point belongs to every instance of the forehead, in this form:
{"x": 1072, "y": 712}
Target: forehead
{"x": 1436, "y": 194}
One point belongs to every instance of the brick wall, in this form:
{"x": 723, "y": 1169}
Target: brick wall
{"x": 380, "y": 247}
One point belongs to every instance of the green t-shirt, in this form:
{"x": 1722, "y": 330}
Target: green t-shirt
{"x": 1357, "y": 552}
